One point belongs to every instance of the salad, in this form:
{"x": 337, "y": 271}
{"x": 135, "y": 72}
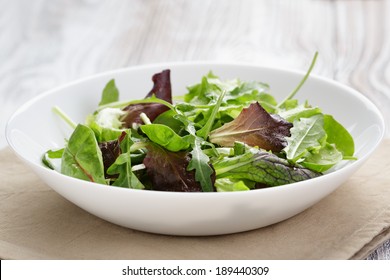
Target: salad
{"x": 222, "y": 135}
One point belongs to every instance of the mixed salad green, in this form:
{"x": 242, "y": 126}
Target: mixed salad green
{"x": 220, "y": 136}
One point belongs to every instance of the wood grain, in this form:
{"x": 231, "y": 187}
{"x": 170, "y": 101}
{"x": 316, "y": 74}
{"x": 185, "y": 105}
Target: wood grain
{"x": 44, "y": 44}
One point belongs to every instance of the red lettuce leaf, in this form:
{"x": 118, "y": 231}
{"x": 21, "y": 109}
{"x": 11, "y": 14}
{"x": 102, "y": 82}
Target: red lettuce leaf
{"x": 167, "y": 170}
{"x": 110, "y": 152}
{"x": 255, "y": 127}
{"x": 161, "y": 89}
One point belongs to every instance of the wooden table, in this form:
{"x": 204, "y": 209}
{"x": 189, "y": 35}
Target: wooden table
{"x": 44, "y": 44}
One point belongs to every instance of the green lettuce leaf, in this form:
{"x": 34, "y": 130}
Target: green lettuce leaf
{"x": 229, "y": 185}
{"x": 82, "y": 157}
{"x": 338, "y": 135}
{"x": 323, "y": 159}
{"x": 300, "y": 111}
{"x": 261, "y": 167}
{"x": 307, "y": 134}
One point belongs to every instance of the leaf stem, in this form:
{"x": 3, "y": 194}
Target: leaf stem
{"x": 138, "y": 167}
{"x": 292, "y": 94}
{"x": 204, "y": 132}
{"x": 152, "y": 99}
{"x": 145, "y": 118}
{"x": 64, "y": 117}
{"x": 137, "y": 146}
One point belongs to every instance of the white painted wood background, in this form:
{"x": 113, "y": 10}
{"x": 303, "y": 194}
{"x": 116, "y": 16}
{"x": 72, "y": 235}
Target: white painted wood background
{"x": 45, "y": 44}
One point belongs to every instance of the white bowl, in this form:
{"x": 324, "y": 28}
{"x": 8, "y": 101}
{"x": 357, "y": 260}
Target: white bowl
{"x": 33, "y": 129}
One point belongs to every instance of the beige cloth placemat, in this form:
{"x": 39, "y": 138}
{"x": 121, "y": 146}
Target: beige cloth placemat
{"x": 37, "y": 223}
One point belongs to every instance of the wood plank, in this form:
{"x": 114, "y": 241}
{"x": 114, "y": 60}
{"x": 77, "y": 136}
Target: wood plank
{"x": 45, "y": 44}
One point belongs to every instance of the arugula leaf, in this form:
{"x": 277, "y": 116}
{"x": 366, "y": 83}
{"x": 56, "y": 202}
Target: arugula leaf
{"x": 237, "y": 95}
{"x": 307, "y": 134}
{"x": 82, "y": 157}
{"x": 205, "y": 92}
{"x": 247, "y": 93}
{"x": 200, "y": 163}
{"x": 255, "y": 127}
{"x": 122, "y": 166}
{"x": 165, "y": 136}
{"x": 205, "y": 130}
{"x": 261, "y": 167}
{"x": 299, "y": 111}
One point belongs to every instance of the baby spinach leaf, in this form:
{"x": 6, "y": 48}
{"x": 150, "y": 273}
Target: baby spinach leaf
{"x": 110, "y": 93}
{"x": 261, "y": 167}
{"x": 82, "y": 157}
{"x": 339, "y": 136}
{"x": 323, "y": 159}
{"x": 165, "y": 136}
{"x": 307, "y": 134}
{"x": 255, "y": 127}
{"x": 168, "y": 118}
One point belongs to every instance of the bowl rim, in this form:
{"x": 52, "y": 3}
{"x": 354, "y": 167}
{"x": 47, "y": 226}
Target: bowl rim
{"x": 293, "y": 71}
